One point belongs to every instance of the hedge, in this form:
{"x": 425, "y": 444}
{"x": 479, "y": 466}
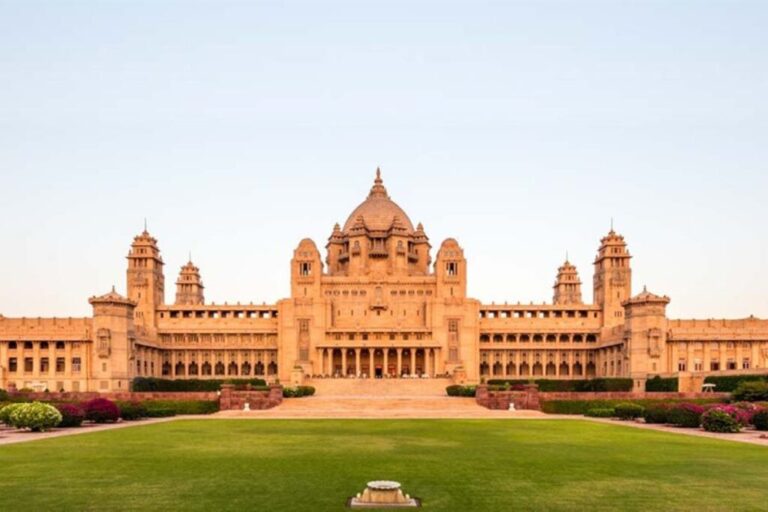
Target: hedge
{"x": 729, "y": 383}
{"x": 298, "y": 392}
{"x": 582, "y": 406}
{"x": 600, "y": 413}
{"x": 587, "y": 385}
{"x": 181, "y": 407}
{"x": 150, "y": 384}
{"x": 465, "y": 391}
{"x": 751, "y": 391}
{"x": 661, "y": 385}
{"x": 760, "y": 420}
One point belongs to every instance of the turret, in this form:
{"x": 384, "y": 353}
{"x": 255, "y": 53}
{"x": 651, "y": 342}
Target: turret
{"x": 567, "y": 286}
{"x": 645, "y": 336}
{"x": 146, "y": 282}
{"x": 112, "y": 351}
{"x": 451, "y": 270}
{"x": 306, "y": 270}
{"x": 189, "y": 286}
{"x": 613, "y": 278}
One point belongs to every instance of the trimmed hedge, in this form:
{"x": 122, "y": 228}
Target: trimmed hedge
{"x": 751, "y": 391}
{"x": 160, "y": 413}
{"x": 298, "y": 392}
{"x": 132, "y": 411}
{"x": 457, "y": 390}
{"x": 628, "y": 411}
{"x": 657, "y": 413}
{"x": 660, "y": 385}
{"x": 587, "y": 385}
{"x": 687, "y": 415}
{"x": 728, "y": 383}
{"x": 580, "y": 407}
{"x": 181, "y": 407}
{"x": 150, "y": 384}
{"x": 3, "y": 395}
{"x": 600, "y": 413}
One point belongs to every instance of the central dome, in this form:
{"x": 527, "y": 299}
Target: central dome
{"x": 378, "y": 211}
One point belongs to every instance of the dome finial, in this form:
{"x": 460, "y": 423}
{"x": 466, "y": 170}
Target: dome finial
{"x": 378, "y": 179}
{"x": 378, "y": 185}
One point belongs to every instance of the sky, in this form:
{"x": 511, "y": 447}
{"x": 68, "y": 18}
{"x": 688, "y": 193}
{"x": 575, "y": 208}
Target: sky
{"x": 519, "y": 128}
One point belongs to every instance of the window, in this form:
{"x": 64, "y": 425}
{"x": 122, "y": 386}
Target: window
{"x": 731, "y": 365}
{"x": 305, "y": 269}
{"x": 13, "y": 365}
{"x": 60, "y": 365}
{"x": 76, "y": 365}
{"x": 45, "y": 365}
{"x": 745, "y": 363}
{"x": 714, "y": 366}
{"x": 59, "y": 345}
{"x": 44, "y": 345}
{"x": 29, "y": 365}
{"x": 452, "y": 268}
{"x": 27, "y": 345}
{"x": 12, "y": 345}
{"x": 681, "y": 365}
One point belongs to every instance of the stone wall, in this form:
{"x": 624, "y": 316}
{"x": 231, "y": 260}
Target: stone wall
{"x": 232, "y": 399}
{"x": 525, "y": 399}
{"x": 123, "y": 396}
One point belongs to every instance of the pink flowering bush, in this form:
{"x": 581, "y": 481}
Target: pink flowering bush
{"x": 721, "y": 420}
{"x": 101, "y": 410}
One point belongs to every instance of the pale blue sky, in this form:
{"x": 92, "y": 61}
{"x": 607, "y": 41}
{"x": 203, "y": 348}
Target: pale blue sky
{"x": 519, "y": 128}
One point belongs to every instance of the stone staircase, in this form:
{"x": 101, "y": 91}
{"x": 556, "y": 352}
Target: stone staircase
{"x": 380, "y": 388}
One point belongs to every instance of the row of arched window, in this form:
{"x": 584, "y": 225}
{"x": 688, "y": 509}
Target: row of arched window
{"x": 538, "y": 338}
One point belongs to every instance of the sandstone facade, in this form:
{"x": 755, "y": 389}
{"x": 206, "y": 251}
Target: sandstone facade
{"x": 378, "y": 306}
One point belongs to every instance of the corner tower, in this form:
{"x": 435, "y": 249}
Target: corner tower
{"x": 146, "y": 282}
{"x": 189, "y": 286}
{"x": 612, "y": 282}
{"x": 568, "y": 285}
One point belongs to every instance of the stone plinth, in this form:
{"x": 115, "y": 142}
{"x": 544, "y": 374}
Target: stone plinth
{"x": 383, "y": 494}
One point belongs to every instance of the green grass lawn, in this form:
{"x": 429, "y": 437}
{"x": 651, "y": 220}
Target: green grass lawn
{"x": 465, "y": 465}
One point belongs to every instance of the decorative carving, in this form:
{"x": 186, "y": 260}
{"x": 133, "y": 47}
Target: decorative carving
{"x": 104, "y": 341}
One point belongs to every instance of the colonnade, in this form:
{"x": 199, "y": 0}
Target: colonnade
{"x": 378, "y": 362}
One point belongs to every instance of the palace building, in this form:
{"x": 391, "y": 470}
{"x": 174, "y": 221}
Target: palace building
{"x": 378, "y": 306}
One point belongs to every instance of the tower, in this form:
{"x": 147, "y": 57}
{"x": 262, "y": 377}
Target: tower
{"x": 645, "y": 337}
{"x": 568, "y": 285}
{"x": 146, "y": 283}
{"x": 612, "y": 282}
{"x": 113, "y": 350}
{"x": 189, "y": 286}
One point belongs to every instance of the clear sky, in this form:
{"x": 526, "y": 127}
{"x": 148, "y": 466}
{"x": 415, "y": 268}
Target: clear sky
{"x": 519, "y": 128}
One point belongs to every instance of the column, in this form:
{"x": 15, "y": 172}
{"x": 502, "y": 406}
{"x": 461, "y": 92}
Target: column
{"x": 739, "y": 355}
{"x": 344, "y": 362}
{"x": 372, "y": 362}
{"x": 399, "y": 362}
{"x": 413, "y": 361}
{"x": 386, "y": 362}
{"x": 707, "y": 356}
{"x": 357, "y": 362}
{"x": 753, "y": 362}
{"x": 689, "y": 355}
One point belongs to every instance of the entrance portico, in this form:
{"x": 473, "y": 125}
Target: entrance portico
{"x": 378, "y": 362}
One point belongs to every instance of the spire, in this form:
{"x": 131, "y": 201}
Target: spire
{"x": 190, "y": 256}
{"x": 378, "y": 189}
{"x": 612, "y": 231}
{"x": 145, "y": 226}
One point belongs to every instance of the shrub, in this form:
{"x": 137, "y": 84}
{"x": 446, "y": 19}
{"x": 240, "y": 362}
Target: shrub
{"x": 465, "y": 391}
{"x": 657, "y": 413}
{"x": 181, "y": 407}
{"x": 728, "y": 383}
{"x": 160, "y": 413}
{"x": 71, "y": 415}
{"x": 132, "y": 411}
{"x": 298, "y": 392}
{"x": 601, "y": 413}
{"x": 718, "y": 420}
{"x": 101, "y": 410}
{"x": 148, "y": 384}
{"x": 550, "y": 385}
{"x": 660, "y": 385}
{"x": 760, "y": 420}
{"x": 751, "y": 391}
{"x": 628, "y": 411}
{"x": 3, "y": 395}
{"x": 5, "y": 413}
{"x": 36, "y": 416}
{"x": 686, "y": 415}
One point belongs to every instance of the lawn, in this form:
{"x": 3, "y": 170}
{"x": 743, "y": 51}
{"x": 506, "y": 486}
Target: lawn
{"x": 464, "y": 465}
